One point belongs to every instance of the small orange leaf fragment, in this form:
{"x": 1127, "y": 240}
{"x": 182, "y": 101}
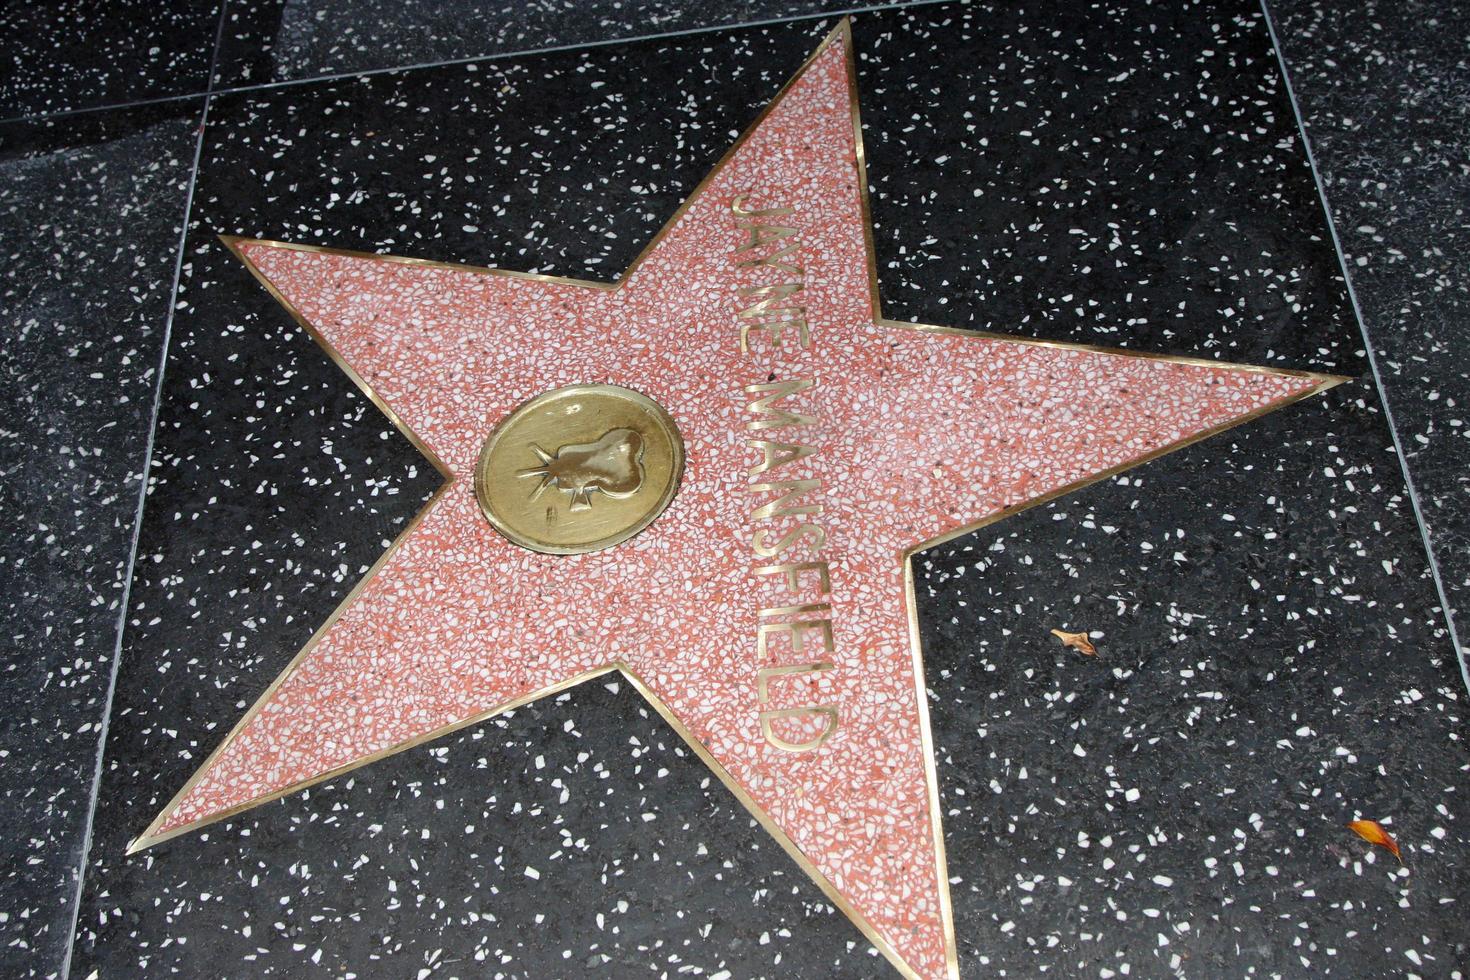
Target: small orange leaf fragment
{"x": 1077, "y": 641}
{"x": 1372, "y": 832}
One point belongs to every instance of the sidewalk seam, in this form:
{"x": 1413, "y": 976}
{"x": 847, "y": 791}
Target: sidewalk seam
{"x": 84, "y": 860}
{"x": 1393, "y": 430}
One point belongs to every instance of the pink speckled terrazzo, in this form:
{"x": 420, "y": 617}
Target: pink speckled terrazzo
{"x": 918, "y": 433}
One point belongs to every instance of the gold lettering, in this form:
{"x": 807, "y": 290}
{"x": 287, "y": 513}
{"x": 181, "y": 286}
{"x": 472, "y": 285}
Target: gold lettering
{"x": 761, "y": 235}
{"x": 774, "y": 309}
{"x": 774, "y": 417}
{"x": 790, "y": 491}
{"x": 805, "y": 607}
{"x": 760, "y": 542}
{"x": 773, "y": 331}
{"x": 773, "y": 261}
{"x": 764, "y": 675}
{"x": 769, "y": 716}
{"x": 738, "y": 207}
{"x": 793, "y": 569}
{"x": 766, "y": 315}
{"x": 766, "y": 307}
{"x": 796, "y": 630}
{"x": 769, "y": 293}
{"x": 776, "y": 454}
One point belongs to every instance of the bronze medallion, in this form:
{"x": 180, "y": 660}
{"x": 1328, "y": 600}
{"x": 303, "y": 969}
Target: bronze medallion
{"x": 579, "y": 469}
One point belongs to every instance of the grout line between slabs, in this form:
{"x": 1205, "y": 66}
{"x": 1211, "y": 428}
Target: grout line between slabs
{"x": 27, "y": 117}
{"x": 1393, "y": 430}
{"x": 210, "y": 88}
{"x": 585, "y": 45}
{"x": 132, "y": 560}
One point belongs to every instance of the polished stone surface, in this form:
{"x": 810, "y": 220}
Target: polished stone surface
{"x": 1270, "y": 665}
{"x": 90, "y": 213}
{"x": 1125, "y": 178}
{"x": 278, "y": 40}
{"x": 67, "y": 55}
{"x": 1385, "y": 90}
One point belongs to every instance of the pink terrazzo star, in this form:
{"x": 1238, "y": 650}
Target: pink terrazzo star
{"x": 919, "y": 433}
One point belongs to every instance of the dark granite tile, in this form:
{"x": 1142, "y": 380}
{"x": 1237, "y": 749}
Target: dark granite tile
{"x": 1262, "y": 588}
{"x": 1091, "y": 182}
{"x": 277, "y": 40}
{"x": 70, "y": 55}
{"x": 1385, "y": 92}
{"x": 90, "y": 209}
{"x": 1270, "y": 666}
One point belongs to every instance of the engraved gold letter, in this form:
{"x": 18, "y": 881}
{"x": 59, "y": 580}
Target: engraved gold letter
{"x": 793, "y": 569}
{"x": 738, "y": 207}
{"x": 773, "y": 417}
{"x": 764, "y": 675}
{"x": 771, "y": 318}
{"x": 776, "y": 454}
{"x": 761, "y": 545}
{"x": 790, "y": 491}
{"x": 773, "y": 261}
{"x": 830, "y": 726}
{"x": 797, "y": 630}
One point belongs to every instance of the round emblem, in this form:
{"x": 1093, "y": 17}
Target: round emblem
{"x": 579, "y": 469}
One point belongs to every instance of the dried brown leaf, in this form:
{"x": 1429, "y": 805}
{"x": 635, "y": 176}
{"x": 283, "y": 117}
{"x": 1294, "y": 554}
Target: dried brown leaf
{"x": 1077, "y": 641}
{"x": 1372, "y": 832}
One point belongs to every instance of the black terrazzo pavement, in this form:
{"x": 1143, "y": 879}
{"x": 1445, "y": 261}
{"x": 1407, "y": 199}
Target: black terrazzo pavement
{"x": 1385, "y": 90}
{"x": 1125, "y": 177}
{"x": 1272, "y": 659}
{"x": 68, "y": 54}
{"x": 90, "y": 214}
{"x": 279, "y": 40}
